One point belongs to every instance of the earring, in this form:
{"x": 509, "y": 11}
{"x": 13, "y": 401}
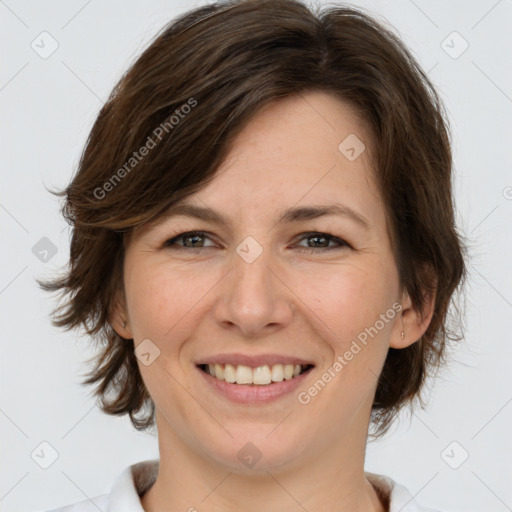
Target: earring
{"x": 124, "y": 325}
{"x": 402, "y": 335}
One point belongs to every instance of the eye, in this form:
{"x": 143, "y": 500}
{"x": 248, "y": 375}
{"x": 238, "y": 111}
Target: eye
{"x": 322, "y": 240}
{"x": 191, "y": 237}
{"x": 195, "y": 240}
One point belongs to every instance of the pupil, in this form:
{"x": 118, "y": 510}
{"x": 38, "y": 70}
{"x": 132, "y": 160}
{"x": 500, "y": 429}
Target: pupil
{"x": 193, "y": 237}
{"x": 316, "y": 237}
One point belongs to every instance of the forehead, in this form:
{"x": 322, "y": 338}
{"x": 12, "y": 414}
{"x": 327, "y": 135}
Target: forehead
{"x": 293, "y": 153}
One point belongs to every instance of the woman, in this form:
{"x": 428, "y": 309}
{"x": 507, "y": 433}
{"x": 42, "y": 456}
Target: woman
{"x": 264, "y": 241}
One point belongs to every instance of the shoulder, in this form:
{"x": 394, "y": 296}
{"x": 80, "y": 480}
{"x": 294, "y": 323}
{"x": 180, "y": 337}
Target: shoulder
{"x": 91, "y": 505}
{"x": 124, "y": 494}
{"x": 399, "y": 497}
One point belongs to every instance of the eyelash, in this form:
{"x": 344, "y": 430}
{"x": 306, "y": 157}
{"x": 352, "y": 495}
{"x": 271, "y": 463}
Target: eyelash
{"x": 171, "y": 243}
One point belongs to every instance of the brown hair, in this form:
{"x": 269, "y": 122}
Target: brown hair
{"x": 200, "y": 82}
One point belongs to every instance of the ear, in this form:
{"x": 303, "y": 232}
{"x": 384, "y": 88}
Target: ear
{"x": 118, "y": 318}
{"x": 411, "y": 322}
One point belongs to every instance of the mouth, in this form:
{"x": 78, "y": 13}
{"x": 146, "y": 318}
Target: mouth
{"x": 264, "y": 375}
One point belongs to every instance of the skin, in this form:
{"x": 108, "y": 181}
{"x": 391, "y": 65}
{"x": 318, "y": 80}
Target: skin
{"x": 197, "y": 302}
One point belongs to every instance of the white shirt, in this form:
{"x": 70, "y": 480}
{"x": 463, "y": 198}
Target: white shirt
{"x": 136, "y": 479}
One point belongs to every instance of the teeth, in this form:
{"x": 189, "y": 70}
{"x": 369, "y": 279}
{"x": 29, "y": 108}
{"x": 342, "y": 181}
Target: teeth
{"x": 261, "y": 376}
{"x": 277, "y": 373}
{"x": 229, "y": 373}
{"x": 219, "y": 371}
{"x": 243, "y": 374}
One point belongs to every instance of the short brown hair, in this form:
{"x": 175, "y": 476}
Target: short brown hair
{"x": 226, "y": 61}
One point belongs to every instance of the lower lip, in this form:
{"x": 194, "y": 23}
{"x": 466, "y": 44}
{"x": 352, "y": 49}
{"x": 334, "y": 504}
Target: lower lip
{"x": 254, "y": 394}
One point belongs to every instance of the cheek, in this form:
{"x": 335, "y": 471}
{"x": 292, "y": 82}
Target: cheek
{"x": 356, "y": 304}
{"x": 163, "y": 300}
{"x": 150, "y": 303}
{"x": 352, "y": 299}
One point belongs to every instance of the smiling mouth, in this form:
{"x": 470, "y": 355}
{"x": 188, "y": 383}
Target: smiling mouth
{"x": 259, "y": 376}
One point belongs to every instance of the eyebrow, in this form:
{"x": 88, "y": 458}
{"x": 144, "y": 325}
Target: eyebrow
{"x": 296, "y": 214}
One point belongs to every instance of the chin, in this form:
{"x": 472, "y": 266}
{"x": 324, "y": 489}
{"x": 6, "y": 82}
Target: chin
{"x": 257, "y": 452}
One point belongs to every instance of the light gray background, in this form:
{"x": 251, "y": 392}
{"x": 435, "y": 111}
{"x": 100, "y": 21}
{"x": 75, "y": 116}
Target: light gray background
{"x": 48, "y": 107}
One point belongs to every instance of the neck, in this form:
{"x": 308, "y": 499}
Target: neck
{"x": 332, "y": 479}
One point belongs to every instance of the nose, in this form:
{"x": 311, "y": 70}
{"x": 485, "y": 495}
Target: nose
{"x": 253, "y": 298}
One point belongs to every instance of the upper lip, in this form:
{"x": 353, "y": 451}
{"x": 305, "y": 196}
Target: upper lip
{"x": 253, "y": 361}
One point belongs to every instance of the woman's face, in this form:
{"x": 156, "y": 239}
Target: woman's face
{"x": 265, "y": 289}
